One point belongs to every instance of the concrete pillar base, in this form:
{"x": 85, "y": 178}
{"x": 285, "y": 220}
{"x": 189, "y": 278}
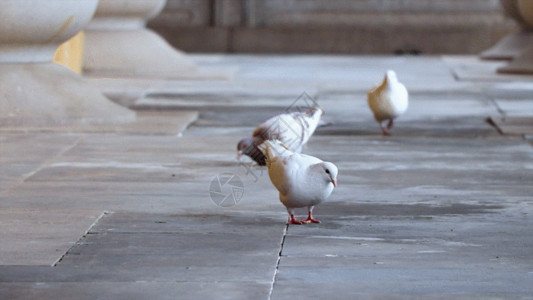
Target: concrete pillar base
{"x": 510, "y": 46}
{"x": 49, "y": 95}
{"x": 521, "y": 64}
{"x": 133, "y": 53}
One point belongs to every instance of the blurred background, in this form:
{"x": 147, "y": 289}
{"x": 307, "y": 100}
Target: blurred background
{"x": 333, "y": 26}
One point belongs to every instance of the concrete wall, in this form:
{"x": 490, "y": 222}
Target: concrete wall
{"x": 333, "y": 26}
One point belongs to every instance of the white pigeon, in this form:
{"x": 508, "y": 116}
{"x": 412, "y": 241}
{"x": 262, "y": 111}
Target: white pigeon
{"x": 302, "y": 180}
{"x": 388, "y": 101}
{"x": 292, "y": 129}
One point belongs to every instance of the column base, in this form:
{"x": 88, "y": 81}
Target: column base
{"x": 521, "y": 64}
{"x": 510, "y": 46}
{"x": 50, "y": 95}
{"x": 133, "y": 53}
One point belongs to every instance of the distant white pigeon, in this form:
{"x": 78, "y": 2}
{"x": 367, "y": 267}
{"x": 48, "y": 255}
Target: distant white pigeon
{"x": 302, "y": 180}
{"x": 388, "y": 101}
{"x": 292, "y": 129}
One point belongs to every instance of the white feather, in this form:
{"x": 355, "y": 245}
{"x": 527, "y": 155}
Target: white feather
{"x": 300, "y": 179}
{"x": 292, "y": 129}
{"x": 389, "y": 99}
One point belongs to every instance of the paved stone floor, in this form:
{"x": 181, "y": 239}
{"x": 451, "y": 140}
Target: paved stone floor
{"x": 441, "y": 209}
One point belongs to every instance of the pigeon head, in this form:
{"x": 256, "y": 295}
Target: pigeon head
{"x": 391, "y": 75}
{"x": 245, "y": 146}
{"x": 330, "y": 172}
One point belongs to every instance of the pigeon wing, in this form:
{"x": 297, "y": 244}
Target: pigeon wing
{"x": 308, "y": 122}
{"x": 279, "y": 163}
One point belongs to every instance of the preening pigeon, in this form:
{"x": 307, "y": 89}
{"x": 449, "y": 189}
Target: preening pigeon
{"x": 292, "y": 129}
{"x": 302, "y": 180}
{"x": 388, "y": 100}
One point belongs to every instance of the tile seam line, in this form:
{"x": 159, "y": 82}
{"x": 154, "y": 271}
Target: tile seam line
{"x": 104, "y": 213}
{"x": 45, "y": 164}
{"x": 274, "y": 277}
{"x": 502, "y": 114}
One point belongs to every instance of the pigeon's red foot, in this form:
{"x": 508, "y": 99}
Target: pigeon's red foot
{"x": 311, "y": 220}
{"x": 293, "y": 220}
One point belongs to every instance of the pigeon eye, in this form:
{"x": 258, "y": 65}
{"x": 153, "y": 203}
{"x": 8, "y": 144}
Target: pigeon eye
{"x": 244, "y": 146}
{"x": 327, "y": 171}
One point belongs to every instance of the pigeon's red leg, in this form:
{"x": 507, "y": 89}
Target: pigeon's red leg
{"x": 384, "y": 130}
{"x": 293, "y": 220}
{"x": 310, "y": 218}
{"x": 390, "y": 124}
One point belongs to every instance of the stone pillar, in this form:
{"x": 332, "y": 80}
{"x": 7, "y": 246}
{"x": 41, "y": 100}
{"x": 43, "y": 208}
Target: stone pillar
{"x": 522, "y": 61}
{"x": 514, "y": 44}
{"x": 118, "y": 44}
{"x": 35, "y": 92}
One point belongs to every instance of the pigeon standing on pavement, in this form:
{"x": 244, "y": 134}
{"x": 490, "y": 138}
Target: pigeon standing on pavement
{"x": 292, "y": 129}
{"x": 388, "y": 101}
{"x": 302, "y": 180}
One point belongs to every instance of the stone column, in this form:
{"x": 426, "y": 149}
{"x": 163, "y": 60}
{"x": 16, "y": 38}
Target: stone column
{"x": 118, "y": 43}
{"x": 514, "y": 44}
{"x": 34, "y": 92}
{"x": 522, "y": 62}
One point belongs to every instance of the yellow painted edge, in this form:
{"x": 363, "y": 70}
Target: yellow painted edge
{"x": 70, "y": 53}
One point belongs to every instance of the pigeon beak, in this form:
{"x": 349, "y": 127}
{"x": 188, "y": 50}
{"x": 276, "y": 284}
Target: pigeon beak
{"x": 239, "y": 154}
{"x": 334, "y": 182}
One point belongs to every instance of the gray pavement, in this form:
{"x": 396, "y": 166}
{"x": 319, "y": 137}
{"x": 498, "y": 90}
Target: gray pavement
{"x": 441, "y": 209}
